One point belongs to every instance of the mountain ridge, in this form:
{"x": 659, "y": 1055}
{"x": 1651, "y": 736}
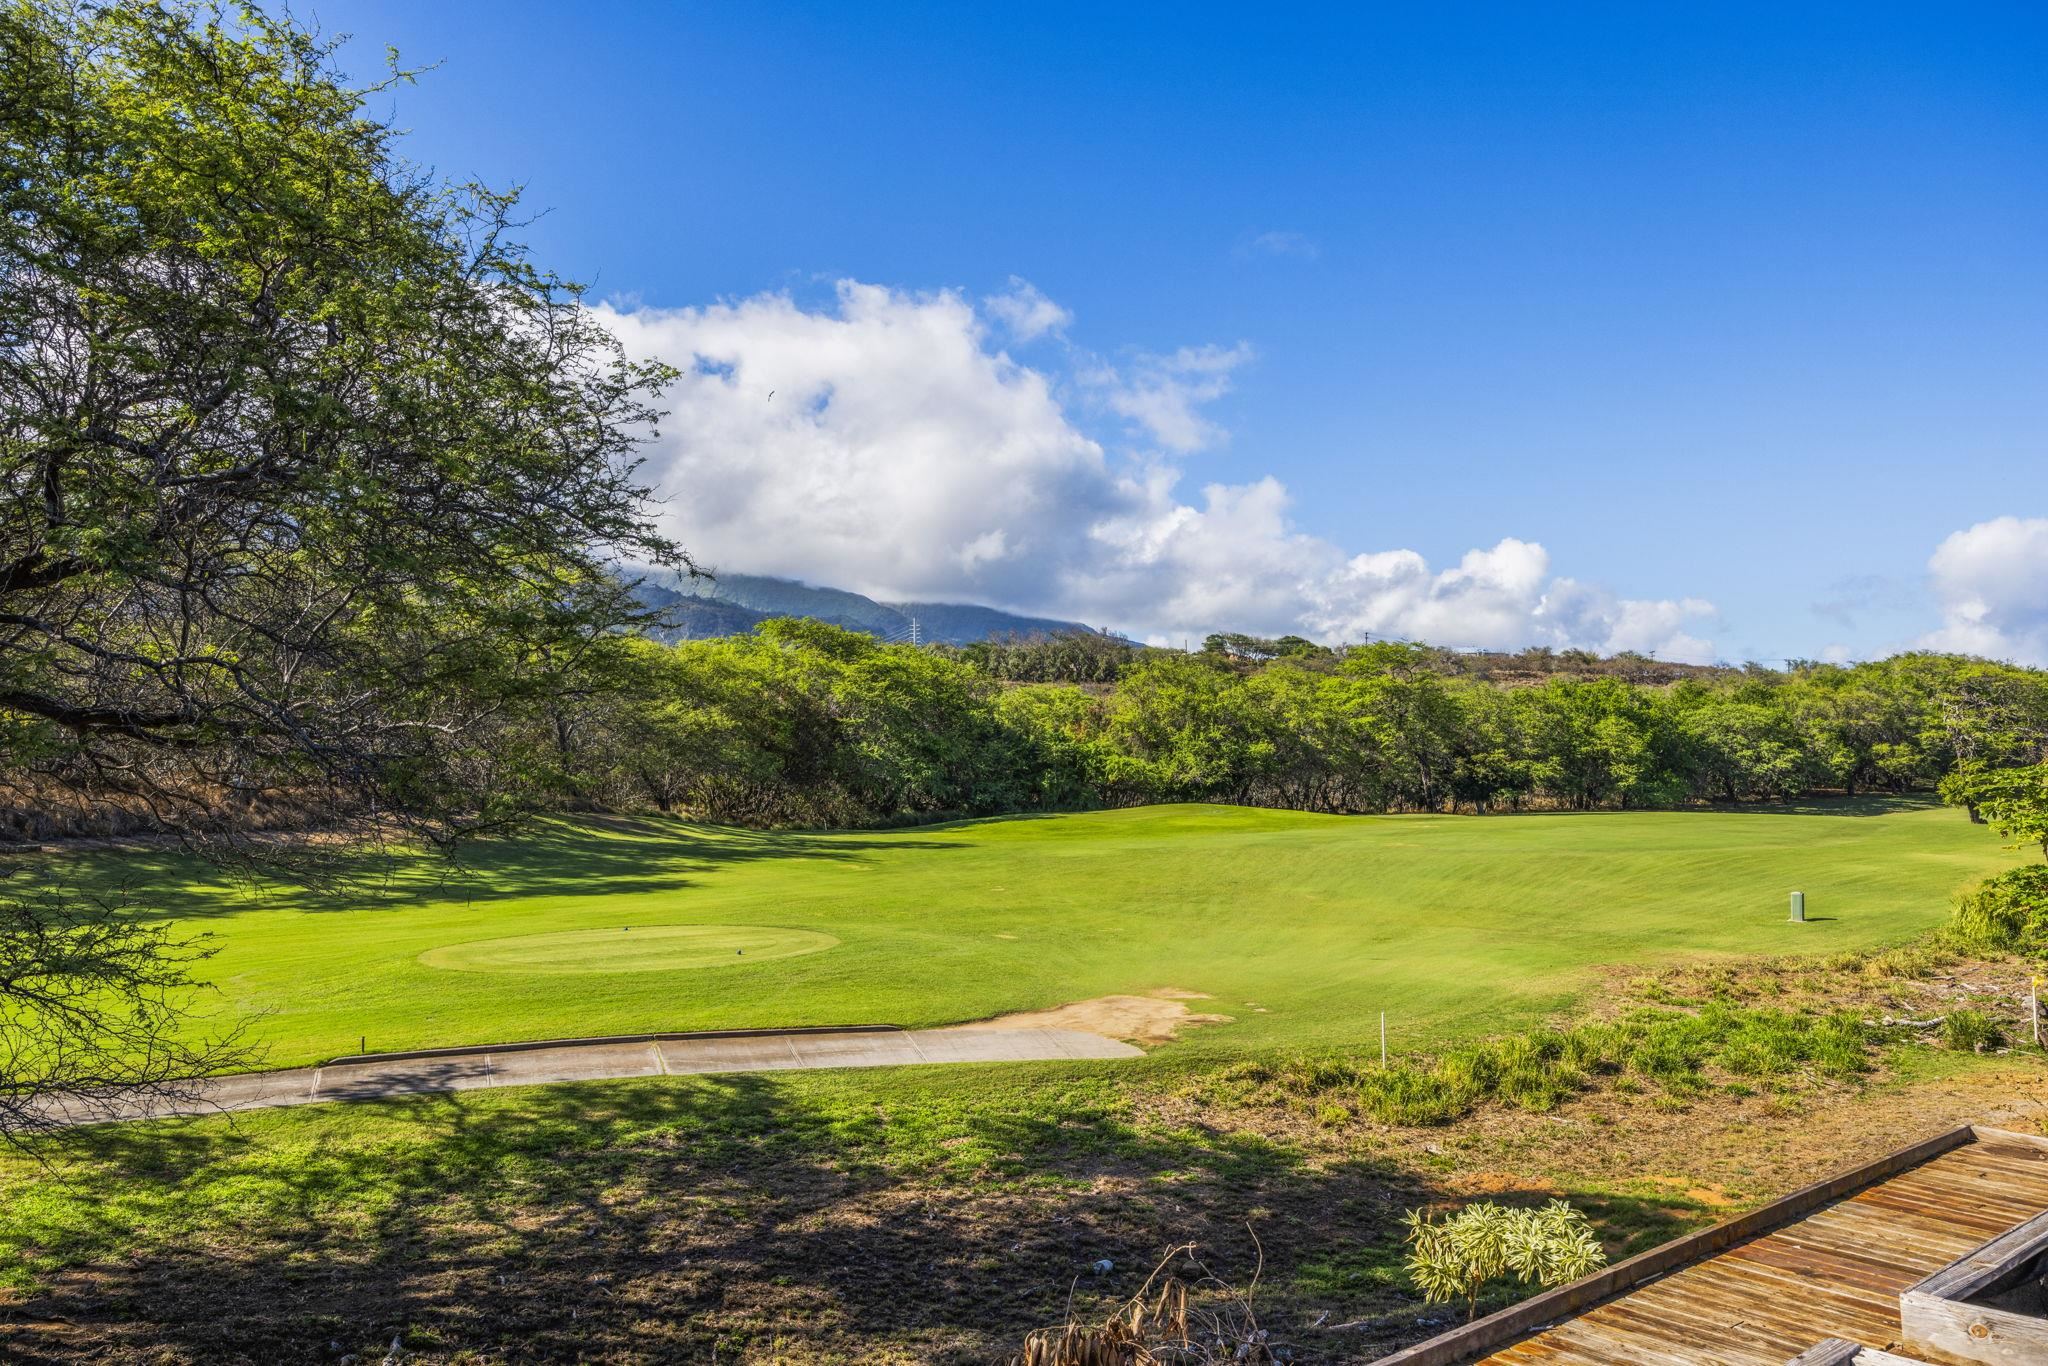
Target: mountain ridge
{"x": 733, "y": 604}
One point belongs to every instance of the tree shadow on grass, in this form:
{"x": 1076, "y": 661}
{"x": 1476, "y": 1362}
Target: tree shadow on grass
{"x": 607, "y": 856}
{"x": 1630, "y": 1224}
{"x": 1871, "y": 804}
{"x": 663, "y": 1221}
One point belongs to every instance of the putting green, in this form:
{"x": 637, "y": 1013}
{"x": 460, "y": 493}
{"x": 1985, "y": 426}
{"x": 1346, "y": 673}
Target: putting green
{"x": 644, "y": 948}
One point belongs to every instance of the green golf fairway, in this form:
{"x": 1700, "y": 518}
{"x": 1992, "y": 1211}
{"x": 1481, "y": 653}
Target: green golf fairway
{"x": 656, "y": 948}
{"x": 1302, "y": 928}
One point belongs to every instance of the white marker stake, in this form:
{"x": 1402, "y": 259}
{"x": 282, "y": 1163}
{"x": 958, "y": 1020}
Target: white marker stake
{"x": 1383, "y": 1041}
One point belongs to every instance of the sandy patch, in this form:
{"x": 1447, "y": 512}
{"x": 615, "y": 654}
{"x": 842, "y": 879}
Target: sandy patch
{"x": 1152, "y": 1018}
{"x": 1501, "y": 1183}
{"x": 1714, "y": 1196}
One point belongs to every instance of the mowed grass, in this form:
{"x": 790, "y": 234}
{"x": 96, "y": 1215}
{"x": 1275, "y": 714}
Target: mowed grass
{"x": 1303, "y": 928}
{"x": 655, "y": 948}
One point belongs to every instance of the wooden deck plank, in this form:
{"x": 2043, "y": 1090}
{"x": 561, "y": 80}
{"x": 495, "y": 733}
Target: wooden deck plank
{"x": 1866, "y": 1270}
{"x": 1761, "y": 1298}
{"x": 1836, "y": 1273}
{"x": 1909, "y": 1227}
{"x": 1921, "y": 1235}
{"x": 1999, "y": 1187}
{"x": 1735, "y": 1327}
{"x": 1599, "y": 1342}
{"x": 1995, "y": 1182}
{"x": 1755, "y": 1293}
{"x": 1756, "y": 1316}
{"x": 1959, "y": 1201}
{"x": 1984, "y": 1218}
{"x": 1763, "y": 1278}
{"x": 2016, "y": 1147}
{"x": 1995, "y": 1169}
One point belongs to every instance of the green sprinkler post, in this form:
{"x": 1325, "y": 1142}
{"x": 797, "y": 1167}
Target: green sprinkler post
{"x": 1798, "y": 907}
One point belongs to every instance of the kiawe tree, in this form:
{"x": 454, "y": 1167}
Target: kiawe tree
{"x": 2013, "y": 801}
{"x": 309, "y": 485}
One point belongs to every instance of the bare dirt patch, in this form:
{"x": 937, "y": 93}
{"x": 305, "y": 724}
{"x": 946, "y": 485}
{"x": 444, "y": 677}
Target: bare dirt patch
{"x": 1154, "y": 1017}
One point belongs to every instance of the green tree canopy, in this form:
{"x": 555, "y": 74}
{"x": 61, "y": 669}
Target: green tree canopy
{"x": 2013, "y": 801}
{"x": 307, "y": 475}
{"x": 309, "y": 483}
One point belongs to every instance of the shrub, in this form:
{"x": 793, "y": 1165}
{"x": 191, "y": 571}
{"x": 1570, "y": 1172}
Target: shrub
{"x": 1907, "y": 961}
{"x": 1766, "y": 1043}
{"x": 1665, "y": 1047}
{"x": 2007, "y": 913}
{"x": 1971, "y": 1031}
{"x": 1405, "y": 1097}
{"x": 1475, "y": 1069}
{"x": 1591, "y": 1048}
{"x": 1455, "y": 1258}
{"x": 1841, "y": 1046}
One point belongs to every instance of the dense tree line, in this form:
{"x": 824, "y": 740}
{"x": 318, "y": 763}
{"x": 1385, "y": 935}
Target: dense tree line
{"x": 310, "y": 486}
{"x": 1099, "y": 657}
{"x": 803, "y": 723}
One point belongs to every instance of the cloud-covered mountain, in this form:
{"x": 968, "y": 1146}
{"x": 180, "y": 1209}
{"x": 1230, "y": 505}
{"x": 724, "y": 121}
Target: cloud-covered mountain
{"x": 733, "y": 604}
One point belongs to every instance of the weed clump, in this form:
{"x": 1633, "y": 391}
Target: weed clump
{"x": 1673, "y": 1050}
{"x": 1971, "y": 1031}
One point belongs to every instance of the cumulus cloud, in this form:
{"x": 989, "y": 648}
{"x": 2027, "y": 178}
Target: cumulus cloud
{"x": 1026, "y": 312}
{"x": 1162, "y": 396}
{"x": 880, "y": 445}
{"x": 1502, "y": 596}
{"x": 1992, "y": 582}
{"x": 885, "y": 442}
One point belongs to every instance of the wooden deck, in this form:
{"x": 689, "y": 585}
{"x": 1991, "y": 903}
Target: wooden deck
{"x": 1831, "y": 1264}
{"x": 1835, "y": 1273}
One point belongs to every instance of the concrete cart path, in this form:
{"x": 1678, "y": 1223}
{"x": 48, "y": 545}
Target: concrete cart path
{"x": 376, "y": 1078}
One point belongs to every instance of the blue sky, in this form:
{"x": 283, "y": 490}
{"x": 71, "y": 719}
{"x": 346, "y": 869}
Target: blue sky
{"x": 1739, "y": 313}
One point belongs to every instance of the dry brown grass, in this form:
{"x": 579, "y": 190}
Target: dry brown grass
{"x": 1182, "y": 1316}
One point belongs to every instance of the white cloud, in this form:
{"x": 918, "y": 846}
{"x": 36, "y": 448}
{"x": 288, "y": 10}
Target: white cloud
{"x": 1992, "y": 580}
{"x": 883, "y": 443}
{"x": 879, "y": 446}
{"x": 1502, "y": 597}
{"x": 1281, "y": 242}
{"x": 1026, "y": 312}
{"x": 1162, "y": 395}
